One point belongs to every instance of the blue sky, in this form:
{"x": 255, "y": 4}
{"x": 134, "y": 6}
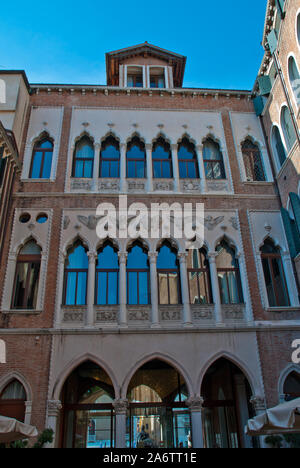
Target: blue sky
{"x": 65, "y": 41}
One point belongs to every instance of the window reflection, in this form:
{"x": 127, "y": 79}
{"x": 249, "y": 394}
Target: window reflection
{"x": 187, "y": 159}
{"x": 76, "y": 272}
{"x": 110, "y": 158}
{"x": 83, "y": 158}
{"x": 213, "y": 160}
{"x": 136, "y": 159}
{"x": 107, "y": 276}
{"x": 27, "y": 277}
{"x": 168, "y": 275}
{"x": 199, "y": 277}
{"x": 138, "y": 276}
{"x": 162, "y": 159}
{"x": 228, "y": 274}
{"x": 41, "y": 162}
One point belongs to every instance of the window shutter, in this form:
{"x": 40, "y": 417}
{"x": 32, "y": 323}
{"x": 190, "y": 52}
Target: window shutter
{"x": 272, "y": 41}
{"x": 280, "y": 7}
{"x": 292, "y": 236}
{"x": 295, "y": 201}
{"x": 264, "y": 83}
{"x": 259, "y": 104}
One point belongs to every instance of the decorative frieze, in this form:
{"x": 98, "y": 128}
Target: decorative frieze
{"x": 140, "y": 313}
{"x": 74, "y": 316}
{"x": 190, "y": 185}
{"x": 107, "y": 314}
{"x": 79, "y": 184}
{"x": 136, "y": 185}
{"x": 216, "y": 186}
{"x": 233, "y": 311}
{"x": 200, "y": 312}
{"x": 170, "y": 313}
{"x": 163, "y": 186}
{"x": 112, "y": 185}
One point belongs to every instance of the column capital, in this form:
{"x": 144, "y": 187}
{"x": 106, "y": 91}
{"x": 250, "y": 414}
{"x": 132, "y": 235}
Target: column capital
{"x": 174, "y": 146}
{"x": 195, "y": 403}
{"x": 122, "y": 257}
{"x": 182, "y": 256}
{"x": 199, "y": 147}
{"x": 54, "y": 407}
{"x": 152, "y": 257}
{"x": 148, "y": 146}
{"x": 258, "y": 403}
{"x": 212, "y": 257}
{"x": 120, "y": 405}
{"x": 92, "y": 255}
{"x": 97, "y": 146}
{"x": 122, "y": 145}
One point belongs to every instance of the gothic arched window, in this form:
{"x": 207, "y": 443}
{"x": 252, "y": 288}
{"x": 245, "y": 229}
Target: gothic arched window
{"x": 288, "y": 128}
{"x": 274, "y": 275}
{"x": 41, "y": 161}
{"x": 27, "y": 277}
{"x": 136, "y": 159}
{"x": 76, "y": 273}
{"x": 213, "y": 160}
{"x": 294, "y": 78}
{"x": 168, "y": 275}
{"x": 110, "y": 158}
{"x": 228, "y": 274}
{"x": 199, "y": 277}
{"x": 83, "y": 161}
{"x": 162, "y": 159}
{"x": 107, "y": 276}
{"x": 278, "y": 147}
{"x": 138, "y": 291}
{"x": 252, "y": 161}
{"x": 187, "y": 160}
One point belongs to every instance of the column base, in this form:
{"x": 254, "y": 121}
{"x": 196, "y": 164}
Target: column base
{"x": 155, "y": 325}
{"x": 220, "y": 324}
{"x": 123, "y": 325}
{"x": 188, "y": 325}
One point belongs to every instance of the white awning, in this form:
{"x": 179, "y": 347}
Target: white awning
{"x": 12, "y": 429}
{"x": 282, "y": 419}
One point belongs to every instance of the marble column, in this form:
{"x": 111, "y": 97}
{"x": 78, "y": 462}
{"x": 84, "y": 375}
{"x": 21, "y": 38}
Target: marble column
{"x": 53, "y": 412}
{"x": 175, "y": 168}
{"x": 122, "y": 289}
{"x": 245, "y": 288}
{"x": 195, "y": 405}
{"x": 89, "y": 320}
{"x": 201, "y": 168}
{"x": 28, "y": 409}
{"x": 187, "y": 316}
{"x": 149, "y": 167}
{"x": 123, "y": 182}
{"x": 215, "y": 287}
{"x": 154, "y": 290}
{"x": 97, "y": 147}
{"x": 59, "y": 309}
{"x": 290, "y": 279}
{"x": 120, "y": 407}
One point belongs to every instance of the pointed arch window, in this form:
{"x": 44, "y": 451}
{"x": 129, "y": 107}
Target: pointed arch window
{"x": 41, "y": 161}
{"x": 138, "y": 291}
{"x": 107, "y": 276}
{"x": 187, "y": 159}
{"x": 110, "y": 158}
{"x": 199, "y": 277}
{"x": 252, "y": 161}
{"x": 274, "y": 275}
{"x": 27, "y": 277}
{"x": 162, "y": 159}
{"x": 278, "y": 147}
{"x": 83, "y": 161}
{"x": 228, "y": 274}
{"x": 76, "y": 275}
{"x": 288, "y": 128}
{"x": 169, "y": 291}
{"x": 12, "y": 401}
{"x": 136, "y": 159}
{"x": 213, "y": 160}
{"x": 294, "y": 78}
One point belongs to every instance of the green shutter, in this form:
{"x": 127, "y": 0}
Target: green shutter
{"x": 259, "y": 104}
{"x": 264, "y": 83}
{"x": 294, "y": 244}
{"x": 280, "y": 7}
{"x": 272, "y": 41}
{"x": 295, "y": 201}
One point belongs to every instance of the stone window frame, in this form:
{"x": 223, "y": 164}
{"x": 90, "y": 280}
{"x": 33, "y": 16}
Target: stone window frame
{"x": 274, "y": 151}
{"x": 289, "y": 56}
{"x": 15, "y": 247}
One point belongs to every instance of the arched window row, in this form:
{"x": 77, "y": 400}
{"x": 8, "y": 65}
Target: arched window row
{"x": 139, "y": 278}
{"x": 136, "y": 159}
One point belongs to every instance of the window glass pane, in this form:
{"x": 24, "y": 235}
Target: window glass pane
{"x": 105, "y": 168}
{"x": 185, "y": 153}
{"x": 33, "y": 277}
{"x": 277, "y": 142}
{"x": 192, "y": 170}
{"x": 108, "y": 258}
{"x": 79, "y": 169}
{"x": 288, "y": 128}
{"x": 114, "y": 169}
{"x": 161, "y": 82}
{"x": 225, "y": 299}
{"x": 268, "y": 282}
{"x": 137, "y": 258}
{"x": 47, "y": 165}
{"x": 217, "y": 172}
{"x": 166, "y": 258}
{"x": 132, "y": 288}
{"x": 88, "y": 169}
{"x": 20, "y": 284}
{"x": 140, "y": 169}
{"x": 233, "y": 287}
{"x": 279, "y": 285}
{"x": 139, "y": 81}
{"x": 110, "y": 152}
{"x": 163, "y": 288}
{"x": 160, "y": 153}
{"x": 130, "y": 169}
{"x": 30, "y": 248}
{"x": 45, "y": 144}
{"x": 101, "y": 288}
{"x": 203, "y": 286}
{"x": 166, "y": 170}
{"x": 143, "y": 287}
{"x": 208, "y": 170}
{"x": 157, "y": 173}
{"x": 81, "y": 288}
{"x": 71, "y": 288}
{"x": 113, "y": 288}
{"x": 77, "y": 258}
{"x": 129, "y": 81}
{"x": 14, "y": 391}
{"x": 85, "y": 150}
{"x": 193, "y": 287}
{"x": 173, "y": 285}
{"x": 182, "y": 170}
{"x": 36, "y": 165}
{"x": 211, "y": 151}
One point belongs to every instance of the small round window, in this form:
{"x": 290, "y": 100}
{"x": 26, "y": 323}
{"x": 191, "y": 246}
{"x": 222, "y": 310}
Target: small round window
{"x": 24, "y": 218}
{"x": 42, "y": 218}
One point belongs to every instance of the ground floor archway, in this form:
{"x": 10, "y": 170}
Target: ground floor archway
{"x": 88, "y": 419}
{"x": 157, "y": 415}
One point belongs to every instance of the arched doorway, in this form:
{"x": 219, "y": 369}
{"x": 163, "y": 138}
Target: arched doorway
{"x": 226, "y": 393}
{"x": 88, "y": 415}
{"x": 157, "y": 414}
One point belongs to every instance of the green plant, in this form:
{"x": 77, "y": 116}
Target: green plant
{"x": 293, "y": 440}
{"x": 45, "y": 437}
